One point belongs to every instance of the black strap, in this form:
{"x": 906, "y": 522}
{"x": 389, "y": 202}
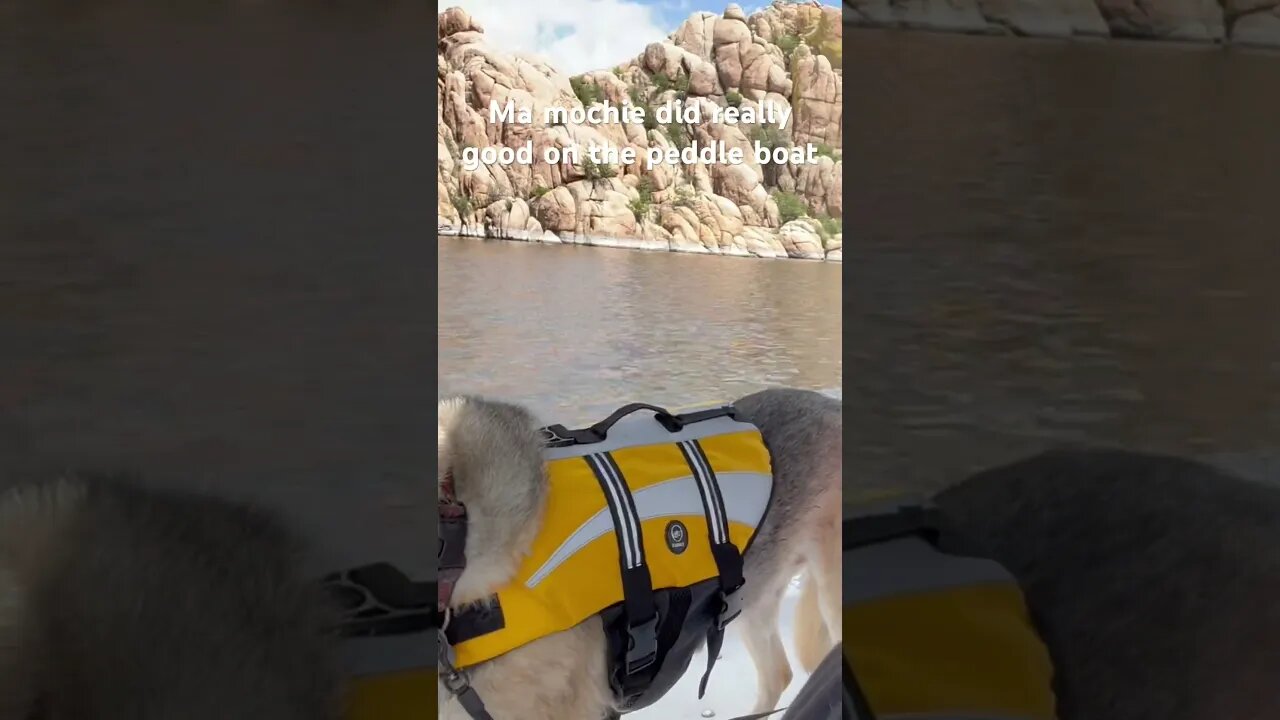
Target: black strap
{"x": 640, "y": 614}
{"x": 560, "y": 436}
{"x": 697, "y": 416}
{"x": 471, "y": 702}
{"x": 457, "y": 683}
{"x": 672, "y": 423}
{"x": 728, "y": 559}
{"x": 472, "y": 621}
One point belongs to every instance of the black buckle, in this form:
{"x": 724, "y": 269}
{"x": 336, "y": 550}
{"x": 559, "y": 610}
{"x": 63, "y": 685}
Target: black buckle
{"x": 642, "y": 645}
{"x": 730, "y": 607}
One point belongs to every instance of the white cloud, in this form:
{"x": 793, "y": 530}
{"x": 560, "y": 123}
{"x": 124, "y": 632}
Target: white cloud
{"x": 573, "y": 35}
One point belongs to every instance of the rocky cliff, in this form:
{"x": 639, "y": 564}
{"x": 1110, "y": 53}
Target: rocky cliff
{"x": 1242, "y": 22}
{"x": 784, "y": 56}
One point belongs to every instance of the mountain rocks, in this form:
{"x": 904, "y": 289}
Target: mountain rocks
{"x": 785, "y": 56}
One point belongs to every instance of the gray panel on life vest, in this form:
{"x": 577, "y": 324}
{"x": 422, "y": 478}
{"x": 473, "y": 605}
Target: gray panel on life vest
{"x": 641, "y": 428}
{"x": 911, "y": 564}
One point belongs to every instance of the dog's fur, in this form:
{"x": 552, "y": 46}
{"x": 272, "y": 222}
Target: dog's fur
{"x": 493, "y": 452}
{"x": 1155, "y": 580}
{"x": 119, "y": 603}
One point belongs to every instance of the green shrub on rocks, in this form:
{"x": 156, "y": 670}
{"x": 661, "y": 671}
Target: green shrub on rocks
{"x": 588, "y": 93}
{"x": 597, "y": 171}
{"x": 769, "y": 136}
{"x": 826, "y": 150}
{"x": 790, "y": 206}
{"x": 641, "y": 205}
{"x": 685, "y": 197}
{"x": 677, "y": 134}
{"x": 830, "y": 226}
{"x": 461, "y": 203}
{"x": 733, "y": 98}
{"x": 787, "y": 44}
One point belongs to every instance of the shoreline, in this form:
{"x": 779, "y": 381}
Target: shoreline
{"x": 476, "y": 232}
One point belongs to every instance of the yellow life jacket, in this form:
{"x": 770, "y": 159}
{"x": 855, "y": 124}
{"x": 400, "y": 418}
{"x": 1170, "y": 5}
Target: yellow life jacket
{"x": 388, "y": 650}
{"x": 932, "y": 632}
{"x": 646, "y": 521}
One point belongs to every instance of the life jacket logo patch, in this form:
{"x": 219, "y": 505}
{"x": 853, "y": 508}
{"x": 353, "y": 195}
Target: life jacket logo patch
{"x": 677, "y": 537}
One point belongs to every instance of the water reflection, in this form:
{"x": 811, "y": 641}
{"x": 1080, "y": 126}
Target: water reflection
{"x": 576, "y": 331}
{"x": 1060, "y": 242}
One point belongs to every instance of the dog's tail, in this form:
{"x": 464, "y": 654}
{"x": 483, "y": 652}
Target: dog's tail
{"x": 811, "y": 630}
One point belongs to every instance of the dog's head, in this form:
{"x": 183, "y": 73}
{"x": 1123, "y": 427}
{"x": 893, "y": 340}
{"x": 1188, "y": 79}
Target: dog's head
{"x": 490, "y": 453}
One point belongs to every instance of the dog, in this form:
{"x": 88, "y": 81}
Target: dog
{"x": 119, "y": 602}
{"x": 491, "y": 453}
{"x": 1154, "y": 580}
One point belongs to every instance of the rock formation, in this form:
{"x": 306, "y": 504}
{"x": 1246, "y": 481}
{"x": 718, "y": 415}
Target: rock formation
{"x": 786, "y": 56}
{"x": 1244, "y": 22}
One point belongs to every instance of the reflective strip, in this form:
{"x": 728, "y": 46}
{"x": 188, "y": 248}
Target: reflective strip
{"x": 909, "y": 565}
{"x": 712, "y": 502}
{"x": 627, "y": 524}
{"x": 671, "y": 498}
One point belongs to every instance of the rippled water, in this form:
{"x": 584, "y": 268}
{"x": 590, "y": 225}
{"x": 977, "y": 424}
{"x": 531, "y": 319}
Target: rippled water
{"x": 1057, "y": 243}
{"x": 575, "y": 332}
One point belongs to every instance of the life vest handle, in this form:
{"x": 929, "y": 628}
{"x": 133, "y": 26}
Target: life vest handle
{"x": 559, "y": 435}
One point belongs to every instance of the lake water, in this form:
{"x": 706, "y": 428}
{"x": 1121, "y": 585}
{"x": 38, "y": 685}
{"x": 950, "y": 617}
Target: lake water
{"x": 575, "y": 332}
{"x": 1056, "y": 242}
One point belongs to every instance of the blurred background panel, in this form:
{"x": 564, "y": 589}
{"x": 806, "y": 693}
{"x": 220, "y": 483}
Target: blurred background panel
{"x": 212, "y": 269}
{"x": 1059, "y": 242}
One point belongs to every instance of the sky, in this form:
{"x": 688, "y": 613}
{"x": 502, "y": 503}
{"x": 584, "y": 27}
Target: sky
{"x": 580, "y": 35}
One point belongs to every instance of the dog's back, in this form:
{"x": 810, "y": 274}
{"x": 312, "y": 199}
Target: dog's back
{"x": 803, "y": 430}
{"x": 1155, "y": 580}
{"x": 128, "y": 603}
